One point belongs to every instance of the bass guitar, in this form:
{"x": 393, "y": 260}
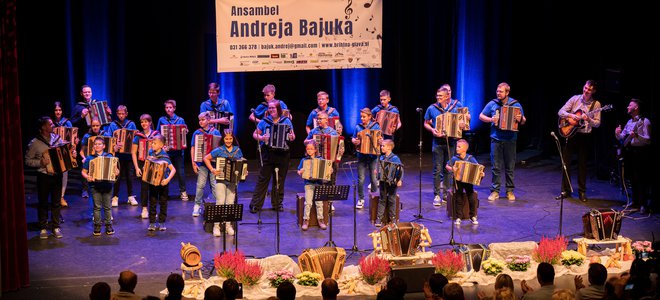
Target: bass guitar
{"x": 568, "y": 126}
{"x": 621, "y": 147}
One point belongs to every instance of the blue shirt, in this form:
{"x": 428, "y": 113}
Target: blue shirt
{"x": 359, "y": 127}
{"x": 222, "y": 151}
{"x": 140, "y": 135}
{"x": 162, "y": 155}
{"x": 85, "y": 166}
{"x": 199, "y": 131}
{"x": 116, "y": 125}
{"x": 434, "y": 110}
{"x": 319, "y": 130}
{"x": 267, "y": 122}
{"x": 331, "y": 111}
{"x": 62, "y": 122}
{"x": 393, "y": 159}
{"x": 175, "y": 120}
{"x": 496, "y": 133}
{"x": 86, "y": 137}
{"x": 380, "y": 107}
{"x": 300, "y": 166}
{"x": 455, "y": 158}
{"x": 262, "y": 108}
{"x": 221, "y": 106}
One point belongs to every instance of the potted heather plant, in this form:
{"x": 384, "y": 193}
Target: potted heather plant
{"x": 549, "y": 250}
{"x": 518, "y": 263}
{"x": 374, "y": 269}
{"x": 308, "y": 278}
{"x": 249, "y": 273}
{"x": 278, "y": 277}
{"x": 447, "y": 262}
{"x": 227, "y": 263}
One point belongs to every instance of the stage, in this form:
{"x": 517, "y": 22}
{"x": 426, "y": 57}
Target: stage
{"x": 67, "y": 268}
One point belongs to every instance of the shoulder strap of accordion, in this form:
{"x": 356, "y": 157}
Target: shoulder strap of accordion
{"x": 512, "y": 102}
{"x": 330, "y": 110}
{"x": 118, "y": 123}
{"x": 442, "y": 110}
{"x": 452, "y": 104}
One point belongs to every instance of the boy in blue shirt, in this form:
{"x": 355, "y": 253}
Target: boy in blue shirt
{"x": 125, "y": 166}
{"x": 387, "y": 190}
{"x": 158, "y": 193}
{"x": 365, "y": 161}
{"x": 203, "y": 174}
{"x": 101, "y": 191}
{"x": 176, "y": 156}
{"x": 461, "y": 187}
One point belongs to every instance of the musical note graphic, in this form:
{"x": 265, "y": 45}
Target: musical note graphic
{"x": 348, "y": 10}
{"x": 367, "y": 5}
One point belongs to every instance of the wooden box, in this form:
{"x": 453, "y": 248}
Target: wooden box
{"x": 313, "y": 219}
{"x": 373, "y": 208}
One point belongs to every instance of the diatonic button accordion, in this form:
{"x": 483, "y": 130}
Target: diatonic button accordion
{"x": 124, "y": 139}
{"x": 231, "y": 169}
{"x": 389, "y": 172}
{"x": 602, "y": 224}
{"x": 450, "y": 124}
{"x": 388, "y": 121}
{"x": 175, "y": 136}
{"x": 110, "y": 143}
{"x": 102, "y": 168}
{"x": 507, "y": 120}
{"x": 401, "y": 239}
{"x": 67, "y": 134}
{"x": 98, "y": 110}
{"x": 468, "y": 172}
{"x": 327, "y": 261}
{"x": 369, "y": 140}
{"x": 330, "y": 147}
{"x": 317, "y": 169}
{"x": 61, "y": 158}
{"x": 153, "y": 171}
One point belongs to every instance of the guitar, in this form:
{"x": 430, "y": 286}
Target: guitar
{"x": 621, "y": 147}
{"x": 568, "y": 126}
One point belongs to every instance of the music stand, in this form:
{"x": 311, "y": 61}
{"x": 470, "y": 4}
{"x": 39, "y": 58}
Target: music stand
{"x": 330, "y": 193}
{"x": 225, "y": 213}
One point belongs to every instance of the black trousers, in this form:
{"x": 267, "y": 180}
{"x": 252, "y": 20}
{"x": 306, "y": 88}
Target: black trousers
{"x": 144, "y": 188}
{"x": 158, "y": 196}
{"x": 272, "y": 159}
{"x": 637, "y": 164}
{"x": 468, "y": 190}
{"x": 582, "y": 144}
{"x": 126, "y": 171}
{"x": 49, "y": 186}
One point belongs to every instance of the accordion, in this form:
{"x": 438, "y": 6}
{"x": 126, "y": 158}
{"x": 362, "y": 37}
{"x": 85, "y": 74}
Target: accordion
{"x": 61, "y": 159}
{"x": 465, "y": 112}
{"x": 98, "y": 110}
{"x": 204, "y": 144}
{"x": 331, "y": 147}
{"x": 278, "y": 136}
{"x": 231, "y": 169}
{"x": 286, "y": 113}
{"x": 317, "y": 169}
{"x": 175, "y": 136}
{"x": 223, "y": 114}
{"x": 333, "y": 122}
{"x": 450, "y": 124}
{"x": 110, "y": 143}
{"x": 389, "y": 172}
{"x": 473, "y": 255}
{"x": 124, "y": 139}
{"x": 401, "y": 239}
{"x": 143, "y": 147}
{"x": 388, "y": 121}
{"x": 507, "y": 119}
{"x": 369, "y": 141}
{"x": 327, "y": 261}
{"x": 67, "y": 134}
{"x": 102, "y": 168}
{"x": 153, "y": 171}
{"x": 468, "y": 172}
{"x": 602, "y": 224}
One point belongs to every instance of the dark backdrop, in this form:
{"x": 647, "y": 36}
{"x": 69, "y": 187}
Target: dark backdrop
{"x": 140, "y": 53}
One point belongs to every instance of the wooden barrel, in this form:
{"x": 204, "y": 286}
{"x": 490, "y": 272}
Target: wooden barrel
{"x": 190, "y": 254}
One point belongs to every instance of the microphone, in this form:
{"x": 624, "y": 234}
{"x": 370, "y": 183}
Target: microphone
{"x": 252, "y": 110}
{"x": 277, "y": 170}
{"x": 419, "y": 109}
{"x": 552, "y": 133}
{"x": 350, "y": 162}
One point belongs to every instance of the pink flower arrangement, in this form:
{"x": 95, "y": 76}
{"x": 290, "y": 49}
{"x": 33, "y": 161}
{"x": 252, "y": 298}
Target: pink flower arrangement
{"x": 278, "y": 277}
{"x": 642, "y": 246}
{"x": 448, "y": 262}
{"x": 518, "y": 262}
{"x": 374, "y": 269}
{"x": 227, "y": 263}
{"x": 249, "y": 274}
{"x": 549, "y": 250}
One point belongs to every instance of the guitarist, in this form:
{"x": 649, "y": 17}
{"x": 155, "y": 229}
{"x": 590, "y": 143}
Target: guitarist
{"x": 577, "y": 108}
{"x": 635, "y": 138}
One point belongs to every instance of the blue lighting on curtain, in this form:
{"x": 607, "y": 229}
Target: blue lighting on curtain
{"x": 72, "y": 92}
{"x": 231, "y": 88}
{"x": 354, "y": 95}
{"x": 95, "y": 49}
{"x": 470, "y": 57}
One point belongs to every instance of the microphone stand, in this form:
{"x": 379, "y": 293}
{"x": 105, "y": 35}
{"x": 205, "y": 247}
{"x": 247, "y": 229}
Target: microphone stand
{"x": 562, "y": 196}
{"x": 419, "y": 215}
{"x": 355, "y": 248}
{"x": 277, "y": 210}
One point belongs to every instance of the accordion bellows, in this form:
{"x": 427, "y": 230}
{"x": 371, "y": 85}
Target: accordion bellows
{"x": 401, "y": 239}
{"x": 327, "y": 261}
{"x": 468, "y": 172}
{"x": 102, "y": 168}
{"x": 602, "y": 224}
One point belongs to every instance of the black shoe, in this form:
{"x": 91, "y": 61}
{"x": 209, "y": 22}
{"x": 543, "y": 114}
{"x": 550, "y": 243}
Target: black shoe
{"x": 253, "y": 210}
{"x": 97, "y": 230}
{"x": 564, "y": 195}
{"x": 583, "y": 197}
{"x": 109, "y": 230}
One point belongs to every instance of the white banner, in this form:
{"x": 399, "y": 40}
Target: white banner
{"x": 273, "y": 35}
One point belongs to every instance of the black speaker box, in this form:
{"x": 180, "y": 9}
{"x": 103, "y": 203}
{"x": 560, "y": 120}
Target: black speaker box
{"x": 414, "y": 276}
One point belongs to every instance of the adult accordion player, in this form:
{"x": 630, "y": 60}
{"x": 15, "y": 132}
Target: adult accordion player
{"x": 388, "y": 121}
{"x": 278, "y": 136}
{"x": 110, "y": 143}
{"x": 67, "y": 134}
{"x": 331, "y": 147}
{"x": 124, "y": 138}
{"x": 507, "y": 118}
{"x": 468, "y": 172}
{"x": 317, "y": 169}
{"x": 389, "y": 172}
{"x": 103, "y": 168}
{"x": 204, "y": 144}
{"x": 175, "y": 136}
{"x": 61, "y": 158}
{"x": 450, "y": 124}
{"x": 153, "y": 171}
{"x": 401, "y": 239}
{"x": 369, "y": 141}
{"x": 327, "y": 261}
{"x": 231, "y": 169}
{"x": 98, "y": 110}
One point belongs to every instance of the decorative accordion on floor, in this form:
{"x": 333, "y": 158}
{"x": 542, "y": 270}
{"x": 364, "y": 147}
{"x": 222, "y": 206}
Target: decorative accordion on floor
{"x": 153, "y": 171}
{"x": 102, "y": 168}
{"x": 331, "y": 147}
{"x": 175, "y": 136}
{"x": 278, "y": 136}
{"x": 61, "y": 158}
{"x": 473, "y": 255}
{"x": 369, "y": 141}
{"x": 124, "y": 139}
{"x": 98, "y": 110}
{"x": 388, "y": 121}
{"x": 468, "y": 172}
{"x": 327, "y": 261}
{"x": 389, "y": 172}
{"x": 204, "y": 144}
{"x": 507, "y": 120}
{"x": 602, "y": 224}
{"x": 317, "y": 169}
{"x": 401, "y": 239}
{"x": 231, "y": 169}
{"x": 110, "y": 143}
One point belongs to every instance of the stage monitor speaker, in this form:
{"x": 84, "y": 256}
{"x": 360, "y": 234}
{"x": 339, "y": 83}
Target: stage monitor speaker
{"x": 414, "y": 276}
